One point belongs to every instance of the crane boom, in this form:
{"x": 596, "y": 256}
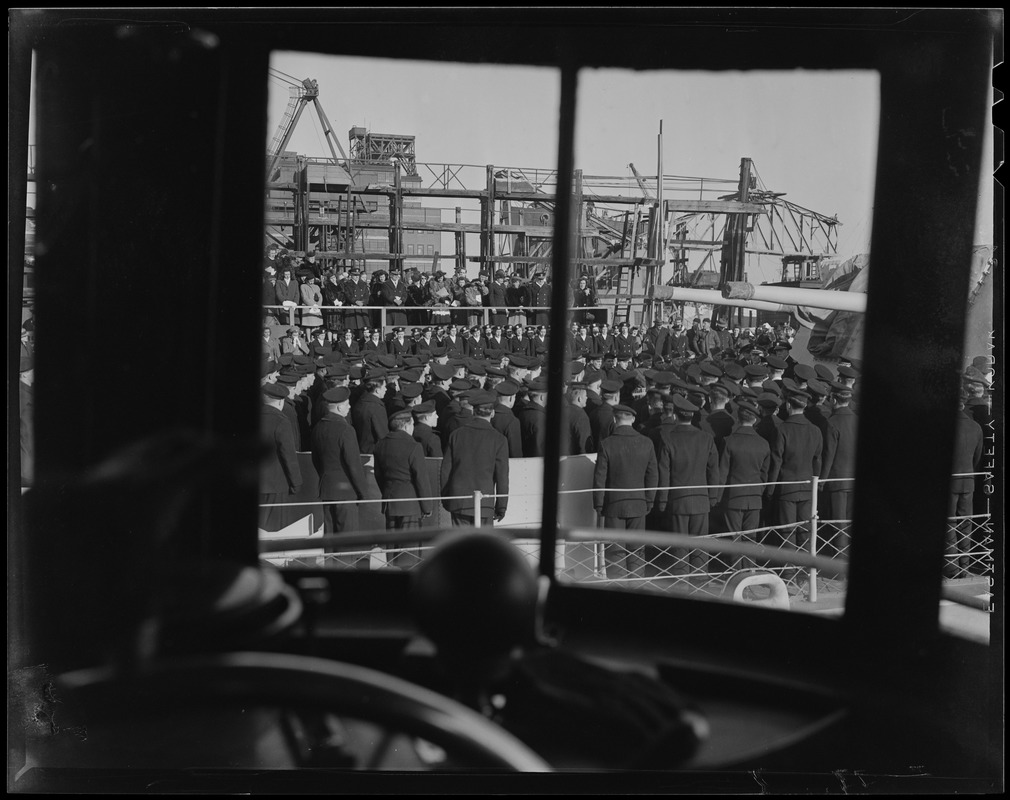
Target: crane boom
{"x": 641, "y": 182}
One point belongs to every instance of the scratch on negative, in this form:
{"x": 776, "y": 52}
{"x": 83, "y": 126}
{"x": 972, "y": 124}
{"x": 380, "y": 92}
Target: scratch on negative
{"x": 756, "y": 775}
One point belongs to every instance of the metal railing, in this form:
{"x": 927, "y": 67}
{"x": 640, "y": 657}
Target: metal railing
{"x": 810, "y": 555}
{"x": 481, "y": 313}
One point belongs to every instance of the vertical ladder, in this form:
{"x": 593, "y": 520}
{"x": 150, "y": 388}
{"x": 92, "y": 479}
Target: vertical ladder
{"x": 622, "y": 295}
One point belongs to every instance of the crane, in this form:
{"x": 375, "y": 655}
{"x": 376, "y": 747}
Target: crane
{"x": 641, "y": 182}
{"x": 301, "y": 94}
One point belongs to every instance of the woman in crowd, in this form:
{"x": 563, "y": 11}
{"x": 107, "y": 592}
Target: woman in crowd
{"x": 287, "y": 291}
{"x": 473, "y": 298}
{"x": 292, "y": 343}
{"x": 584, "y": 296}
{"x": 333, "y": 295}
{"x": 347, "y": 345}
{"x": 312, "y": 296}
{"x": 439, "y": 298}
{"x": 458, "y": 288}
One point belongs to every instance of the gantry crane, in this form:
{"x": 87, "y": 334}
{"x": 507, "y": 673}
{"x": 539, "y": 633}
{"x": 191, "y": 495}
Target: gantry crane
{"x": 303, "y": 93}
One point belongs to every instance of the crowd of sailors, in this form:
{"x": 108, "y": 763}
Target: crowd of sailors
{"x": 696, "y": 429}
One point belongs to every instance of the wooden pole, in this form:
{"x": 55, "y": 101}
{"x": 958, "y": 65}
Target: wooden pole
{"x": 460, "y": 246}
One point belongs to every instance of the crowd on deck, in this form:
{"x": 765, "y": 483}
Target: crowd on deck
{"x": 308, "y": 292}
{"x": 696, "y": 429}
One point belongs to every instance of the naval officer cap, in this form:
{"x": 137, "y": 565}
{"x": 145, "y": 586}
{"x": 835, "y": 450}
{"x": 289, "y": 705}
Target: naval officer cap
{"x": 749, "y": 406}
{"x": 775, "y": 362}
{"x": 442, "y": 372}
{"x": 818, "y": 388}
{"x": 411, "y": 390}
{"x": 274, "y": 391}
{"x": 683, "y": 405}
{"x": 400, "y": 414}
{"x": 623, "y": 410}
{"x": 506, "y": 388}
{"x": 479, "y": 397}
{"x": 338, "y": 394}
{"x": 824, "y": 372}
{"x": 804, "y": 372}
{"x": 841, "y": 391}
{"x": 423, "y": 409}
{"x": 734, "y": 371}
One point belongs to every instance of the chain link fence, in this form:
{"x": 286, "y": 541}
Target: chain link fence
{"x": 659, "y": 562}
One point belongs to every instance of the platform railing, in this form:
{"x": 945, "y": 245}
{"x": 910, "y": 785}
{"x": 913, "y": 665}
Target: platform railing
{"x": 453, "y": 315}
{"x": 653, "y": 560}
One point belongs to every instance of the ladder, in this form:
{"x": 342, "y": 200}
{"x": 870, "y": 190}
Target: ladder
{"x": 622, "y": 295}
{"x": 294, "y": 101}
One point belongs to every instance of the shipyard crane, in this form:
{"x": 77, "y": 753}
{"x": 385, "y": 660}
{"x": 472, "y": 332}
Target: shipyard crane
{"x": 301, "y": 94}
{"x": 641, "y": 182}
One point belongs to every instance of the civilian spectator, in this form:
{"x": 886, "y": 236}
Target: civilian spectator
{"x": 293, "y": 343}
{"x": 440, "y": 298}
{"x": 518, "y": 297}
{"x": 312, "y": 296}
{"x": 287, "y": 292}
{"x": 334, "y": 294}
{"x": 271, "y": 347}
{"x": 584, "y": 296}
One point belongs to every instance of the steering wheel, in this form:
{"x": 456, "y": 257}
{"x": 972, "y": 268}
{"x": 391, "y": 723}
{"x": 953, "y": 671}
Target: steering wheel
{"x": 101, "y": 697}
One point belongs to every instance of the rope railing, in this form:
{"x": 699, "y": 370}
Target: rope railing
{"x": 821, "y": 552}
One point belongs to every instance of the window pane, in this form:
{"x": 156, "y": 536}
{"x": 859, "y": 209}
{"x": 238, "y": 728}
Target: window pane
{"x": 406, "y": 134}
{"x": 747, "y": 199}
